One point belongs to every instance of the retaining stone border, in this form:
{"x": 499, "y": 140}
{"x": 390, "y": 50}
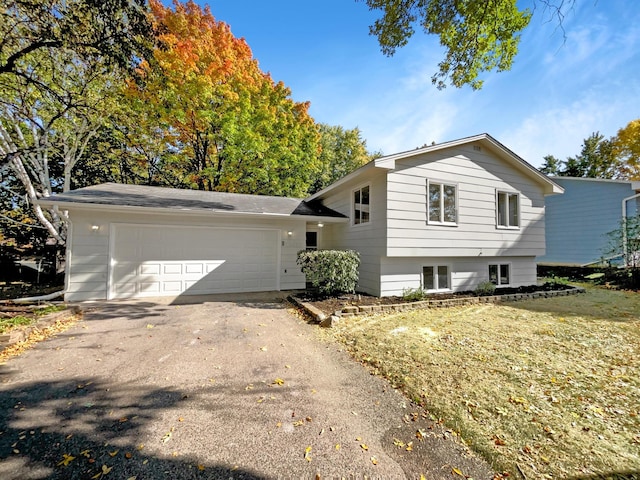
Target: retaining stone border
{"x": 20, "y": 334}
{"x": 354, "y": 310}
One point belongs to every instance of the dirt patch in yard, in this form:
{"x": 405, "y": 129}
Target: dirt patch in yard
{"x": 545, "y": 388}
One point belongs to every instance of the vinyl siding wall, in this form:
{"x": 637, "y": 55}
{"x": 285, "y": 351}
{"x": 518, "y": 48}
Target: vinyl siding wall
{"x": 88, "y": 251}
{"x": 478, "y": 175}
{"x": 578, "y": 221}
{"x": 398, "y": 274}
{"x": 367, "y": 239}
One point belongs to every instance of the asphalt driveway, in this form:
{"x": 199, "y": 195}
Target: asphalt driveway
{"x": 233, "y": 387}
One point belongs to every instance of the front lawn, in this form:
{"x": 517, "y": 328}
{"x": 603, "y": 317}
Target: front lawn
{"x": 545, "y": 388}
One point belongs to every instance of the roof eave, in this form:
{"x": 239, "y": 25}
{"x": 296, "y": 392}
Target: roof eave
{"x": 65, "y": 205}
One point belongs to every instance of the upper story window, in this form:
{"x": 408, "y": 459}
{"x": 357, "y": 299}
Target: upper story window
{"x": 361, "y": 206}
{"x": 442, "y": 203}
{"x": 508, "y": 209}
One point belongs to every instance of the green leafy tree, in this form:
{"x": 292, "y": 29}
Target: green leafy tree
{"x": 624, "y": 242}
{"x": 551, "y": 165}
{"x": 116, "y": 33}
{"x": 342, "y": 151}
{"x": 477, "y": 36}
{"x": 597, "y": 159}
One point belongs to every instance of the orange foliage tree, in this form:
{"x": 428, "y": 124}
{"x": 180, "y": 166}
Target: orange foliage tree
{"x": 223, "y": 124}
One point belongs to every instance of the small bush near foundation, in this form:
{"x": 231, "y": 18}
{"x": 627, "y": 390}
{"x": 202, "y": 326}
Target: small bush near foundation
{"x": 413, "y": 294}
{"x": 485, "y": 288}
{"x": 330, "y": 271}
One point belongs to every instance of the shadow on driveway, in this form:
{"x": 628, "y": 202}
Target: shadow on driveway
{"x": 227, "y": 387}
{"x": 92, "y": 425}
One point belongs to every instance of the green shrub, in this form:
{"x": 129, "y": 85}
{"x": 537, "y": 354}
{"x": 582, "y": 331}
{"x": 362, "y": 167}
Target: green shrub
{"x": 485, "y": 288}
{"x": 413, "y": 294}
{"x": 330, "y": 271}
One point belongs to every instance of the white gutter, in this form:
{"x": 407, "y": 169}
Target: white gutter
{"x": 624, "y": 225}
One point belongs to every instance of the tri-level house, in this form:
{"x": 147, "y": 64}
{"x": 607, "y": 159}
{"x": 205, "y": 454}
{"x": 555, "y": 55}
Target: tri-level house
{"x": 443, "y": 218}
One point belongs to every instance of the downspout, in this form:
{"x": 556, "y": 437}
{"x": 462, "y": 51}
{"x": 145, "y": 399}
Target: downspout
{"x": 624, "y": 225}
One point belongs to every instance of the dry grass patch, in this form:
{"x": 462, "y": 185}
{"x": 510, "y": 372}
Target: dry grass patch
{"x": 547, "y": 388}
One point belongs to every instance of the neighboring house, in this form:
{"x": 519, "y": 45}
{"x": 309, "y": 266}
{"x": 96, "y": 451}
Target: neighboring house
{"x": 577, "y": 222}
{"x": 443, "y": 218}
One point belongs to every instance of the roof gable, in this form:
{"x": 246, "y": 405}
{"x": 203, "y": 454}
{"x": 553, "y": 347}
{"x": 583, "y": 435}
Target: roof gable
{"x": 389, "y": 163}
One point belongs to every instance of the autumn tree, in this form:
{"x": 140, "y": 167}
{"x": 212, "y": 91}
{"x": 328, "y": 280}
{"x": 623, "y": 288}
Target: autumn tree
{"x": 342, "y": 151}
{"x": 626, "y": 147}
{"x": 229, "y": 126}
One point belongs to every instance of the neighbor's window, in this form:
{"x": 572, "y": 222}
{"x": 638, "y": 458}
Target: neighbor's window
{"x": 500, "y": 275}
{"x": 361, "y": 210}
{"x": 508, "y": 210}
{"x": 436, "y": 278}
{"x": 441, "y": 203}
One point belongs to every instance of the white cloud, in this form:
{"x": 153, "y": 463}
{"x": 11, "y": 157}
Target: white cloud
{"x": 559, "y": 131}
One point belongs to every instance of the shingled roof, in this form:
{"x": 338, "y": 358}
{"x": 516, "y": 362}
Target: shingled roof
{"x": 119, "y": 195}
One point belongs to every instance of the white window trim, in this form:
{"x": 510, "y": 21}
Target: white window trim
{"x": 442, "y": 184}
{"x": 435, "y": 272}
{"x": 510, "y": 274}
{"x": 507, "y": 227}
{"x": 353, "y": 206}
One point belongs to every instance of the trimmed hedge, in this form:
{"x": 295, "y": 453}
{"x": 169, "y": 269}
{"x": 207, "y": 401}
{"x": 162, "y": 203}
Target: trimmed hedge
{"x": 330, "y": 271}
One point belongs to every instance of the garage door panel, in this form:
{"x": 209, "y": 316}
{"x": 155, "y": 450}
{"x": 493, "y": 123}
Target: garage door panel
{"x": 156, "y": 260}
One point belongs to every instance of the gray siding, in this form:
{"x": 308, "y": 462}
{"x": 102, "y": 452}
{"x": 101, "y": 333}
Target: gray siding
{"x": 578, "y": 221}
{"x": 367, "y": 239}
{"x": 478, "y": 175}
{"x": 88, "y": 251}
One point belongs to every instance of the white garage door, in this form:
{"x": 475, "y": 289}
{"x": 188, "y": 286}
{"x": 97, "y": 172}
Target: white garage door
{"x": 167, "y": 260}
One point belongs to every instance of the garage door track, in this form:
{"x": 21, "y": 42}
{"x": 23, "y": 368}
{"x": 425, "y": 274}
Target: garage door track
{"x": 231, "y": 387}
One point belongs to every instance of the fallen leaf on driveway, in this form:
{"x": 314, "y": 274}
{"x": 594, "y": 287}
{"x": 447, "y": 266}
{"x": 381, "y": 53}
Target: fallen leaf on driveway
{"x": 364, "y": 446}
{"x": 263, "y": 349}
{"x": 149, "y": 325}
{"x": 103, "y": 472}
{"x": 66, "y": 459}
{"x": 307, "y": 454}
{"x": 278, "y": 381}
{"x": 374, "y": 460}
{"x": 457, "y": 472}
{"x": 113, "y": 454}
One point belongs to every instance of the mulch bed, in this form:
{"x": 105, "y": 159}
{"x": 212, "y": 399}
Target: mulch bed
{"x": 332, "y": 304}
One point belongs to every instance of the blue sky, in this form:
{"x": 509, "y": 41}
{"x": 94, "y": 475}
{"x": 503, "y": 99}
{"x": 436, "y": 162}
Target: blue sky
{"x": 561, "y": 88}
